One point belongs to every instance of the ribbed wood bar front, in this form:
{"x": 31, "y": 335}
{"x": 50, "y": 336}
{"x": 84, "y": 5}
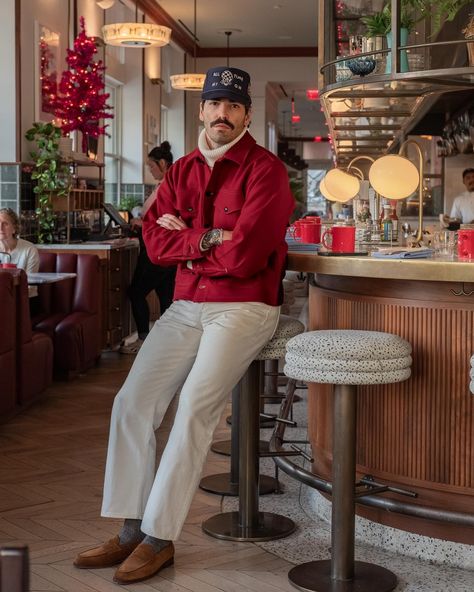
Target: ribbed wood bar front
{"x": 419, "y": 434}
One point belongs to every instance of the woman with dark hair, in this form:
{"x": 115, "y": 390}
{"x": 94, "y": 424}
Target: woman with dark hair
{"x": 147, "y": 276}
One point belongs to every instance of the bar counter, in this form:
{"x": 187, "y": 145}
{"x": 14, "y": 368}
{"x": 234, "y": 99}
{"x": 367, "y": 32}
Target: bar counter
{"x": 418, "y": 434}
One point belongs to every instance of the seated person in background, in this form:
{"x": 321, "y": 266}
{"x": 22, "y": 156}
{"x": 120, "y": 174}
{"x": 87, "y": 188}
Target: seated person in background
{"x": 22, "y": 253}
{"x": 463, "y": 205}
{"x": 147, "y": 276}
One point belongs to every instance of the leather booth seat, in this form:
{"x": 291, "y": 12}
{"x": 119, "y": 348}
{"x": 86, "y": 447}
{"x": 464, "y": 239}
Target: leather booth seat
{"x": 7, "y": 344}
{"x": 34, "y": 351}
{"x": 70, "y": 311}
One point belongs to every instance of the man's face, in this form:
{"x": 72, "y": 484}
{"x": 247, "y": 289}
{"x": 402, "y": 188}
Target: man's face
{"x": 469, "y": 181}
{"x": 224, "y": 120}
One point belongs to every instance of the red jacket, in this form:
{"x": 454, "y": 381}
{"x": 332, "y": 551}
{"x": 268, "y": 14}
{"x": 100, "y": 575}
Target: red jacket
{"x": 247, "y": 192}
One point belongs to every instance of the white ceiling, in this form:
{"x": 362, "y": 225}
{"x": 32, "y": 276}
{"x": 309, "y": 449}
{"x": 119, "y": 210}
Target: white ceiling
{"x": 255, "y": 23}
{"x": 260, "y": 23}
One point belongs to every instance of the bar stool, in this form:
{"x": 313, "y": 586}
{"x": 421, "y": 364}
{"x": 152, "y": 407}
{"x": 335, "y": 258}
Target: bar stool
{"x": 345, "y": 358}
{"x": 248, "y": 524}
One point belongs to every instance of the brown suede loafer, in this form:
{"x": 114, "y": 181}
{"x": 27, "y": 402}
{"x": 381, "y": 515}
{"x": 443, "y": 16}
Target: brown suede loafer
{"x": 106, "y": 555}
{"x": 144, "y": 563}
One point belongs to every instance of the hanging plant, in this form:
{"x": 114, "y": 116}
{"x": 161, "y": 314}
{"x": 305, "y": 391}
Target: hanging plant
{"x": 51, "y": 175}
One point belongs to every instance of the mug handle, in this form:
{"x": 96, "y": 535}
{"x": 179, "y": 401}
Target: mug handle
{"x": 323, "y": 239}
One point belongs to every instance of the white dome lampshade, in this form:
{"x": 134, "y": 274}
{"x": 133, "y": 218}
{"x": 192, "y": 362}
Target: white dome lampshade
{"x": 343, "y": 186}
{"x": 136, "y": 34}
{"x": 328, "y": 195}
{"x": 394, "y": 176}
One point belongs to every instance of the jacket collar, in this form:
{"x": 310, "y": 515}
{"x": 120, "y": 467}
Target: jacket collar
{"x": 238, "y": 153}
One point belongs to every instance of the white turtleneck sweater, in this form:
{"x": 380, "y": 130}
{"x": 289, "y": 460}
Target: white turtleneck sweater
{"x": 213, "y": 154}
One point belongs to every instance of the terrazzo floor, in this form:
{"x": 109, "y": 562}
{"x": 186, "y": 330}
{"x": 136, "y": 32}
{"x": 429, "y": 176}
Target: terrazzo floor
{"x": 311, "y": 540}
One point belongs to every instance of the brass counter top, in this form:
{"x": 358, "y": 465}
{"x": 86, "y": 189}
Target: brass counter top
{"x": 438, "y": 270}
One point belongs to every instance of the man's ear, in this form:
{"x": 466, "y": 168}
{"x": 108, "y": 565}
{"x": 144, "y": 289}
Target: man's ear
{"x": 248, "y": 118}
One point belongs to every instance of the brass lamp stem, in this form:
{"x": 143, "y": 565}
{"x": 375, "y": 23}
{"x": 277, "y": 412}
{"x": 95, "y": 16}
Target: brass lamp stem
{"x": 419, "y": 234}
{"x": 377, "y": 196}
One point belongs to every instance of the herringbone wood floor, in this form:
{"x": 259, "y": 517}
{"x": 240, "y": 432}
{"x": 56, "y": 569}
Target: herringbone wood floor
{"x": 51, "y": 470}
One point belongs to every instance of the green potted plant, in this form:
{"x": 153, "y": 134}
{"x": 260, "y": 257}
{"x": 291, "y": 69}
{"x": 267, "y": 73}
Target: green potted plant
{"x": 51, "y": 175}
{"x": 440, "y": 11}
{"x": 411, "y": 11}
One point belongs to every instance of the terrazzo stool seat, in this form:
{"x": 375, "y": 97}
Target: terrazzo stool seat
{"x": 471, "y": 376}
{"x": 248, "y": 524}
{"x": 345, "y": 358}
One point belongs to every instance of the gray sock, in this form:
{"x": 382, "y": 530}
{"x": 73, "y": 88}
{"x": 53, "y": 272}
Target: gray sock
{"x": 157, "y": 544}
{"x": 131, "y": 532}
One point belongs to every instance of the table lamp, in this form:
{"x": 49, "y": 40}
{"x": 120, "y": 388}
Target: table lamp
{"x": 395, "y": 177}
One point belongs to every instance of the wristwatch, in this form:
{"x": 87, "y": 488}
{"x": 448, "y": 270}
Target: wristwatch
{"x": 211, "y": 238}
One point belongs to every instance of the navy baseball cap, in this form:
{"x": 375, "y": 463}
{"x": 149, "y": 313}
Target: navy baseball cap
{"x": 224, "y": 82}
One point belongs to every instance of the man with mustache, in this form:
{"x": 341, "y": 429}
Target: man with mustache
{"x": 221, "y": 216}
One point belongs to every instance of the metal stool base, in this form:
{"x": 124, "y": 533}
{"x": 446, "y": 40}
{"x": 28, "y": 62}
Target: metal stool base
{"x": 222, "y": 485}
{"x": 315, "y": 576}
{"x": 223, "y": 447}
{"x": 226, "y": 526}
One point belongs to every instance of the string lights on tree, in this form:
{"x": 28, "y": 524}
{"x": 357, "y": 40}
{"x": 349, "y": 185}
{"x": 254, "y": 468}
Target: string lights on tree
{"x": 82, "y": 103}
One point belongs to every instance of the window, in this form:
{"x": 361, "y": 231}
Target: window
{"x": 113, "y": 145}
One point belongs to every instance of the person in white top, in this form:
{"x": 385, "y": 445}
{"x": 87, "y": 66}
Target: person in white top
{"x": 463, "y": 205}
{"x": 18, "y": 251}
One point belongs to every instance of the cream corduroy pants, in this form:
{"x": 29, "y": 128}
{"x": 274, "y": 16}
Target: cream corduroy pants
{"x": 206, "y": 348}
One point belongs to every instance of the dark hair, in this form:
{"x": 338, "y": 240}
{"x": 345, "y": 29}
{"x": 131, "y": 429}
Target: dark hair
{"x": 247, "y": 107}
{"x": 14, "y": 219}
{"x": 466, "y": 172}
{"x": 162, "y": 152}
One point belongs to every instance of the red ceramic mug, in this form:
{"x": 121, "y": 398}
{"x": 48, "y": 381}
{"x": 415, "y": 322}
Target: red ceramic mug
{"x": 316, "y": 219}
{"x": 342, "y": 239}
{"x": 310, "y": 232}
{"x": 296, "y": 229}
{"x": 466, "y": 243}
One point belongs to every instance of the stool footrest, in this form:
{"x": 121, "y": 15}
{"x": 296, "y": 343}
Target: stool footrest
{"x": 279, "y": 419}
{"x": 376, "y": 487}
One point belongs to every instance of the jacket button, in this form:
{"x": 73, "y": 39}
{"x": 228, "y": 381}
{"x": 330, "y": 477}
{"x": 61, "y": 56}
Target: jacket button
{"x": 226, "y": 209}
{"x": 210, "y": 193}
{"x": 190, "y": 209}
{"x": 202, "y": 287}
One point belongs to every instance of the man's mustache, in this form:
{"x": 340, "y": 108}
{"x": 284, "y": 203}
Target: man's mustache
{"x": 224, "y": 121}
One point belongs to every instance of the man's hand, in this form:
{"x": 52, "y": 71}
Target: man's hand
{"x": 171, "y": 222}
{"x": 226, "y": 235}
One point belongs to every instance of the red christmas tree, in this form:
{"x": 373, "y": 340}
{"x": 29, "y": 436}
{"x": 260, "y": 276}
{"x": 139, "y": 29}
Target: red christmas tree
{"x": 82, "y": 102}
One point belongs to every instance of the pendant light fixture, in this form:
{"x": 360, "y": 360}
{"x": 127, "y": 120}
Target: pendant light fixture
{"x": 189, "y": 81}
{"x": 136, "y": 34}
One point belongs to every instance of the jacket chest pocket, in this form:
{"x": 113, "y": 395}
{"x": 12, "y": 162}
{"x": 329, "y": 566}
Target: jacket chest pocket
{"x": 227, "y": 208}
{"x": 188, "y": 212}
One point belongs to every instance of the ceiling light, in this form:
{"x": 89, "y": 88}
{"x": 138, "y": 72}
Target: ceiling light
{"x": 104, "y": 4}
{"x": 136, "y": 34}
{"x": 189, "y": 81}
